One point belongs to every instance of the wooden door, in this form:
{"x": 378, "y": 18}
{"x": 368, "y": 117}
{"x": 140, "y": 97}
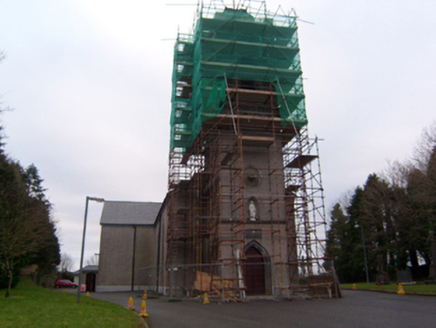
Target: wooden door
{"x": 254, "y": 272}
{"x": 90, "y": 282}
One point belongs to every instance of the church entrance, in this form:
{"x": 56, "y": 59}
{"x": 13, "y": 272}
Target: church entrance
{"x": 254, "y": 272}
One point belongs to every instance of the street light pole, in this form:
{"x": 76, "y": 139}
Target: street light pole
{"x": 99, "y": 200}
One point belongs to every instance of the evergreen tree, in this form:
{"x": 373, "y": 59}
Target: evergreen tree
{"x": 379, "y": 220}
{"x": 355, "y": 212}
{"x": 395, "y": 219}
{"x": 27, "y": 235}
{"x": 337, "y": 245}
{"x": 34, "y": 184}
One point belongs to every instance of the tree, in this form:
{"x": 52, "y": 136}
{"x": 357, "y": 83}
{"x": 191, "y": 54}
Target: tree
{"x": 355, "y": 212}
{"x": 414, "y": 186}
{"x": 425, "y": 147}
{"x": 34, "y": 184}
{"x": 48, "y": 255}
{"x": 66, "y": 263}
{"x": 425, "y": 161}
{"x": 16, "y": 225}
{"x": 338, "y": 242}
{"x": 93, "y": 260}
{"x": 344, "y": 239}
{"x": 27, "y": 235}
{"x": 395, "y": 214}
{"x": 379, "y": 216}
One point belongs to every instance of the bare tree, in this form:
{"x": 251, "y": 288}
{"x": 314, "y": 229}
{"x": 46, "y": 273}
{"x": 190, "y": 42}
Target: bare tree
{"x": 66, "y": 263}
{"x": 425, "y": 147}
{"x": 93, "y": 260}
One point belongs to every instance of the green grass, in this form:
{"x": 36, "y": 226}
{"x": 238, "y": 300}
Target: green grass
{"x": 418, "y": 288}
{"x": 34, "y": 306}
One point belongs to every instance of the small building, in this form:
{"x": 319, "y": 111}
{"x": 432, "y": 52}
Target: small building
{"x": 128, "y": 244}
{"x": 89, "y": 277}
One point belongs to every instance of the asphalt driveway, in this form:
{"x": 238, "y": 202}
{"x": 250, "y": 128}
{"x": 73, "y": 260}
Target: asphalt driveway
{"x": 356, "y": 309}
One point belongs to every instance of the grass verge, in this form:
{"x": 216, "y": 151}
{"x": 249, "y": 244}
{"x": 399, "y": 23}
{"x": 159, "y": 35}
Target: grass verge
{"x": 418, "y": 288}
{"x": 34, "y": 306}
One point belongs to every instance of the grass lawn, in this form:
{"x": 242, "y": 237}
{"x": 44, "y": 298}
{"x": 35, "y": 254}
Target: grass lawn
{"x": 418, "y": 288}
{"x": 34, "y": 306}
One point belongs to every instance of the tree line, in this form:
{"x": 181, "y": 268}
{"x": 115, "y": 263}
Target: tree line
{"x": 27, "y": 233}
{"x": 389, "y": 223}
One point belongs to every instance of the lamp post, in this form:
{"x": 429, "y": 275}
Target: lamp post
{"x": 364, "y": 253}
{"x": 99, "y": 200}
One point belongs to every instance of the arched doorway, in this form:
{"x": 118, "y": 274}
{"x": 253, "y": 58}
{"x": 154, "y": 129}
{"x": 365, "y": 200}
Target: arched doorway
{"x": 254, "y": 272}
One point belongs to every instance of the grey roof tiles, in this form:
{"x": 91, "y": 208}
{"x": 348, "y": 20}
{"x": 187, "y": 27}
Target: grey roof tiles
{"x": 129, "y": 213}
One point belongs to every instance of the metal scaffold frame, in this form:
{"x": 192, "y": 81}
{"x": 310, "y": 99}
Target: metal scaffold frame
{"x": 303, "y": 181}
{"x": 225, "y": 104}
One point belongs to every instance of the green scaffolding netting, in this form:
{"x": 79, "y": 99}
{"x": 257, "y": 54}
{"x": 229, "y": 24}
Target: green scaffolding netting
{"x": 232, "y": 44}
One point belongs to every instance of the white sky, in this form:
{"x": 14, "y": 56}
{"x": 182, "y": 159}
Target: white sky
{"x": 90, "y": 86}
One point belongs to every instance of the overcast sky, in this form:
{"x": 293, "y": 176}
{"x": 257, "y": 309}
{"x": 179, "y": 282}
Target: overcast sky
{"x": 89, "y": 83}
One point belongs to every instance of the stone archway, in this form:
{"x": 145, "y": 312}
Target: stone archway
{"x": 257, "y": 269}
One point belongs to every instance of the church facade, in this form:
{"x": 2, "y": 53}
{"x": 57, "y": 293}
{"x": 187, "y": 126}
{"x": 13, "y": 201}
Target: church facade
{"x": 244, "y": 210}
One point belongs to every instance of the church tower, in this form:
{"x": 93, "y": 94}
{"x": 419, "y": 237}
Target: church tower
{"x": 245, "y": 212}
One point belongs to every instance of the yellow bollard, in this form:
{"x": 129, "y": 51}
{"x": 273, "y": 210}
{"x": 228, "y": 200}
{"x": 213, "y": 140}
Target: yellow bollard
{"x": 130, "y": 304}
{"x": 354, "y": 286}
{"x": 205, "y": 299}
{"x": 401, "y": 290}
{"x": 143, "y": 311}
{"x": 87, "y": 294}
{"x": 144, "y": 296}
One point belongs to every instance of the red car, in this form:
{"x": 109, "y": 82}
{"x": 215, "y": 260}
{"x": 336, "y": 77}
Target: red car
{"x": 64, "y": 283}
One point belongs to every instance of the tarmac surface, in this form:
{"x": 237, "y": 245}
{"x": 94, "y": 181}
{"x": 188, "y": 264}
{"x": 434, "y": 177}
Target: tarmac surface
{"x": 357, "y": 309}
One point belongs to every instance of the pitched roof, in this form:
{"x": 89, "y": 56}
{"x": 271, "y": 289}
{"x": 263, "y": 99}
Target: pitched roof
{"x": 89, "y": 268}
{"x": 129, "y": 213}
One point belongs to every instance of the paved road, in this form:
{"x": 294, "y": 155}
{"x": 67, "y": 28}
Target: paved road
{"x": 356, "y": 309}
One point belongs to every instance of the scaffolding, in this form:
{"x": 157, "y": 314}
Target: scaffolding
{"x": 242, "y": 168}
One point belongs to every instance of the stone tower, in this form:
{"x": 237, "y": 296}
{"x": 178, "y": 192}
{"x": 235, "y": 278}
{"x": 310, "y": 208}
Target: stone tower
{"x": 242, "y": 212}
